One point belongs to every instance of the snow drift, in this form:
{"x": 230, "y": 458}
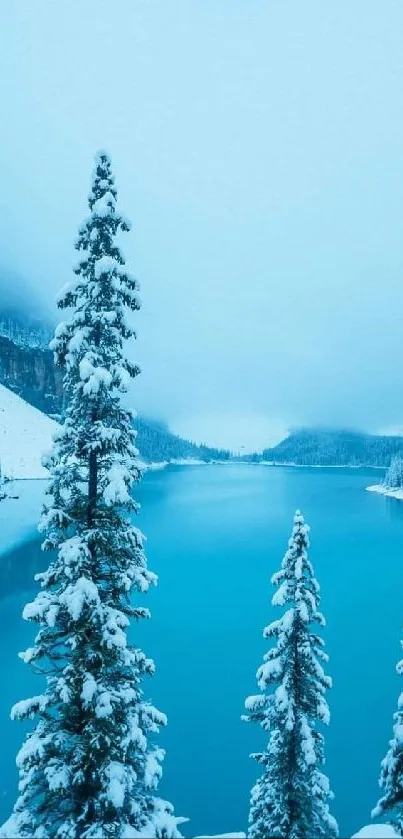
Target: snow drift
{"x": 384, "y": 490}
{"x": 25, "y": 435}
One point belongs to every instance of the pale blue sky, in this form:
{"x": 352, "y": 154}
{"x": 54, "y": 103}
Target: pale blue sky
{"x": 258, "y": 150}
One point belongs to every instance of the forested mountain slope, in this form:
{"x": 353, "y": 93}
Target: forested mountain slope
{"x": 322, "y": 447}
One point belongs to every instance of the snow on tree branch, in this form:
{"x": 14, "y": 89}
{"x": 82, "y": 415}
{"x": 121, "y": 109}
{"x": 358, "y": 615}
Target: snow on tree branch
{"x": 90, "y": 768}
{"x": 291, "y": 797}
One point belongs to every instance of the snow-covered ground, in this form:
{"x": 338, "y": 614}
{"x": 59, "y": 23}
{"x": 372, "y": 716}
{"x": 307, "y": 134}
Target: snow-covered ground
{"x": 25, "y": 435}
{"x": 162, "y": 464}
{"x": 370, "y": 831}
{"x": 376, "y": 831}
{"x": 391, "y": 493}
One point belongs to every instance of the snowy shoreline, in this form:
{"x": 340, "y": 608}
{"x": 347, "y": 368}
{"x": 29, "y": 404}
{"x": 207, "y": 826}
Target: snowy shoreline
{"x": 383, "y": 490}
{"x": 316, "y": 465}
{"x": 159, "y": 465}
{"x": 164, "y": 463}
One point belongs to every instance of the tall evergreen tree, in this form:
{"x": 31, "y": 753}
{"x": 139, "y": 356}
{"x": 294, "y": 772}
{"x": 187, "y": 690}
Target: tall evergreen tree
{"x": 394, "y": 475}
{"x": 290, "y": 799}
{"x": 89, "y": 768}
{"x": 390, "y": 805}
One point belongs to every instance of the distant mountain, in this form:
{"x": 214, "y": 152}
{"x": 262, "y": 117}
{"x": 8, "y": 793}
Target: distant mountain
{"x": 156, "y": 443}
{"x": 326, "y": 447}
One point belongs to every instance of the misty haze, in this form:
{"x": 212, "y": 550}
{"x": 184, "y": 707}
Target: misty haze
{"x": 257, "y": 149}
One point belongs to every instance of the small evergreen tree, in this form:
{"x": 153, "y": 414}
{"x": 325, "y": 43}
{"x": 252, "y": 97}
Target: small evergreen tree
{"x": 390, "y": 805}
{"x": 290, "y": 799}
{"x": 89, "y": 769}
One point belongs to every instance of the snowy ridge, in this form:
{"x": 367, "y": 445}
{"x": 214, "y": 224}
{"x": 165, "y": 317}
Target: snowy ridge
{"x": 25, "y": 435}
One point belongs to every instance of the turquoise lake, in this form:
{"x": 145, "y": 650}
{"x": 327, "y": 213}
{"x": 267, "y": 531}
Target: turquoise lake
{"x": 215, "y": 534}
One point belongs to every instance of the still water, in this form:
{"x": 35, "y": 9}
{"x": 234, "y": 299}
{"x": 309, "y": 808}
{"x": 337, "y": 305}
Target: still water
{"x": 215, "y": 534}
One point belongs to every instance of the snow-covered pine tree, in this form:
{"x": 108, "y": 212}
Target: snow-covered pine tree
{"x": 290, "y": 799}
{"x": 394, "y": 475}
{"x": 89, "y": 768}
{"x": 390, "y": 805}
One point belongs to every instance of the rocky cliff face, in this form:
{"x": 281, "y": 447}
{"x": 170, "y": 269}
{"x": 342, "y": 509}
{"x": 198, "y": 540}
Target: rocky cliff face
{"x": 30, "y": 372}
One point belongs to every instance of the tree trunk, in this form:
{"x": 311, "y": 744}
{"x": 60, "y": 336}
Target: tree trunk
{"x": 92, "y": 487}
{"x": 93, "y": 460}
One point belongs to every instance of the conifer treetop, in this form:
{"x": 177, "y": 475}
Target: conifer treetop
{"x": 291, "y": 797}
{"x": 390, "y": 804}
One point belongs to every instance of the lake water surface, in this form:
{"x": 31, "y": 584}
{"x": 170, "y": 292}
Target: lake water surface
{"x": 215, "y": 534}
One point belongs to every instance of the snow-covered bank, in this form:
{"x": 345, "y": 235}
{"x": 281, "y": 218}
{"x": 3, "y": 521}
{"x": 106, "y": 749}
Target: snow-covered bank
{"x": 25, "y": 435}
{"x": 370, "y": 831}
{"x": 153, "y": 467}
{"x": 162, "y": 464}
{"x": 319, "y": 465}
{"x": 376, "y": 831}
{"x": 383, "y": 490}
{"x": 223, "y": 836}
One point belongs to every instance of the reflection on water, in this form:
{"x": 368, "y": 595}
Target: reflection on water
{"x": 393, "y": 507}
{"x": 214, "y": 537}
{"x": 19, "y": 566}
